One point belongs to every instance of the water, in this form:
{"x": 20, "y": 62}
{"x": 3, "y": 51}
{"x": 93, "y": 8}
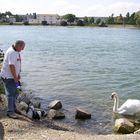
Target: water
{"x": 81, "y": 66}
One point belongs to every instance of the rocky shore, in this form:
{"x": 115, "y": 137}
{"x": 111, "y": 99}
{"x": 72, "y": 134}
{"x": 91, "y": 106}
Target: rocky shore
{"x": 26, "y": 129}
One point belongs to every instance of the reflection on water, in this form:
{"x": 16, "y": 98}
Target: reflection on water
{"x": 80, "y": 66}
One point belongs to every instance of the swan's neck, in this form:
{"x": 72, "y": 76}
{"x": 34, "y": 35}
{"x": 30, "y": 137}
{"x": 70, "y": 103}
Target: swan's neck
{"x": 116, "y": 103}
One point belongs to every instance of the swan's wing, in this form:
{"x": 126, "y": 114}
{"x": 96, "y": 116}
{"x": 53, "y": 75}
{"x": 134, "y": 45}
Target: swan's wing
{"x": 130, "y": 107}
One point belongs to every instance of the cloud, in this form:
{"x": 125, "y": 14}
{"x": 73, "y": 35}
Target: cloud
{"x": 116, "y": 8}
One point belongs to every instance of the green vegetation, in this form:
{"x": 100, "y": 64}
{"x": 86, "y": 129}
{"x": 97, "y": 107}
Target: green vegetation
{"x": 80, "y": 23}
{"x": 98, "y": 21}
{"x": 86, "y": 21}
{"x": 44, "y": 22}
{"x": 91, "y": 20}
{"x": 63, "y": 23}
{"x": 102, "y": 24}
{"x": 26, "y": 23}
{"x": 70, "y": 18}
{"x": 132, "y": 19}
{"x": 137, "y": 18}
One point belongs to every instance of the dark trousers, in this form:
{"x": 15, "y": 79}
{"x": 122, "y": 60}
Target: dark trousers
{"x": 10, "y": 89}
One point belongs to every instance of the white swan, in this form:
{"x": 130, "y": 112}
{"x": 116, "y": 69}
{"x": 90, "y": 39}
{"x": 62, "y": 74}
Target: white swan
{"x": 130, "y": 107}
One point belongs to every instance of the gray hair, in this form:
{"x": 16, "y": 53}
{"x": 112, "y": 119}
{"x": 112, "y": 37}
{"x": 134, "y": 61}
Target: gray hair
{"x": 18, "y": 42}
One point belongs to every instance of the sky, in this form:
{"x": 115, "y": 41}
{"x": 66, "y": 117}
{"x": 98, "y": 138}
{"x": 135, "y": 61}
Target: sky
{"x": 77, "y": 7}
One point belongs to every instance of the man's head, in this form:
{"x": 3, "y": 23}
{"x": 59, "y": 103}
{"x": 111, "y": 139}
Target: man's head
{"x": 19, "y": 45}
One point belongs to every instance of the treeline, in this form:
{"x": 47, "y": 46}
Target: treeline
{"x": 71, "y": 19}
{"x": 133, "y": 19}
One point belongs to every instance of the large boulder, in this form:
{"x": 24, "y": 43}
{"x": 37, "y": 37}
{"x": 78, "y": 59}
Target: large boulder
{"x": 55, "y": 114}
{"x": 82, "y": 114}
{"x": 124, "y": 126}
{"x": 55, "y": 105}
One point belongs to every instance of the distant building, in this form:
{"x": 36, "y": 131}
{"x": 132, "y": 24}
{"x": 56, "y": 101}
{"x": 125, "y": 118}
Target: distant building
{"x": 12, "y": 19}
{"x": 8, "y": 19}
{"x": 52, "y": 19}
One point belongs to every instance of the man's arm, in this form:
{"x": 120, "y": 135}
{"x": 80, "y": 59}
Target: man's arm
{"x": 13, "y": 71}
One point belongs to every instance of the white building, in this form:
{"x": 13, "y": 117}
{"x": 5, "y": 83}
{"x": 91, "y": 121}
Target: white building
{"x": 12, "y": 19}
{"x": 52, "y": 19}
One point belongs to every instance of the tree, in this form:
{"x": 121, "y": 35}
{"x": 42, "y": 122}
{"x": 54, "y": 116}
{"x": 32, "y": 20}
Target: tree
{"x": 132, "y": 19}
{"x": 127, "y": 17}
{"x": 44, "y": 22}
{"x": 8, "y": 13}
{"x": 98, "y": 21}
{"x": 70, "y": 18}
{"x": 91, "y": 20}
{"x": 137, "y": 18}
{"x": 121, "y": 18}
{"x": 80, "y": 23}
{"x": 63, "y": 23}
{"x": 110, "y": 19}
{"x": 86, "y": 20}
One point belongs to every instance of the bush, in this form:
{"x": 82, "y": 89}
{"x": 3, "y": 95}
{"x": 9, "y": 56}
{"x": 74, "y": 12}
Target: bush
{"x": 98, "y": 21}
{"x": 63, "y": 23}
{"x": 102, "y": 24}
{"x": 11, "y": 23}
{"x": 44, "y": 22}
{"x": 26, "y": 23}
{"x": 80, "y": 23}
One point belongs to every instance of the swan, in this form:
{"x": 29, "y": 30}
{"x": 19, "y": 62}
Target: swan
{"x": 130, "y": 107}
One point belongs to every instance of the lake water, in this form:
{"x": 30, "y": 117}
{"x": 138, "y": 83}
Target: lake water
{"x": 81, "y": 66}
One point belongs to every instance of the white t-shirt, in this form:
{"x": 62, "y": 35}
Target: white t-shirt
{"x": 12, "y": 57}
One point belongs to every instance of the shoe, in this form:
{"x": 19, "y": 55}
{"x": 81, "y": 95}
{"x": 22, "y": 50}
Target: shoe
{"x": 18, "y": 112}
{"x": 13, "y": 116}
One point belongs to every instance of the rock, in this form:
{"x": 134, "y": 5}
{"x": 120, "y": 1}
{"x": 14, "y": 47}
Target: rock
{"x": 55, "y": 114}
{"x": 22, "y": 106}
{"x": 55, "y": 105}
{"x": 36, "y": 103}
{"x": 123, "y": 126}
{"x": 22, "y": 97}
{"x": 82, "y": 114}
{"x": 3, "y": 101}
{"x": 137, "y": 132}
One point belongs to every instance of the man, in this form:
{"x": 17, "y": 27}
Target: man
{"x": 10, "y": 74}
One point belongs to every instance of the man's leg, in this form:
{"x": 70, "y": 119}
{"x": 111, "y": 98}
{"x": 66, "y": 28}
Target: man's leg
{"x": 11, "y": 95}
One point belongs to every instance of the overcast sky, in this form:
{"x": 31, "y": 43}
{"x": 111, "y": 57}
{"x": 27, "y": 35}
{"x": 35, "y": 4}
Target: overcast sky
{"x": 78, "y": 7}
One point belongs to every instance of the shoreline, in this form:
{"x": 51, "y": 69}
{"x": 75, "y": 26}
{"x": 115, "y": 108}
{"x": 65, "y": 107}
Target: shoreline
{"x": 24, "y": 129}
{"x": 93, "y": 26}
